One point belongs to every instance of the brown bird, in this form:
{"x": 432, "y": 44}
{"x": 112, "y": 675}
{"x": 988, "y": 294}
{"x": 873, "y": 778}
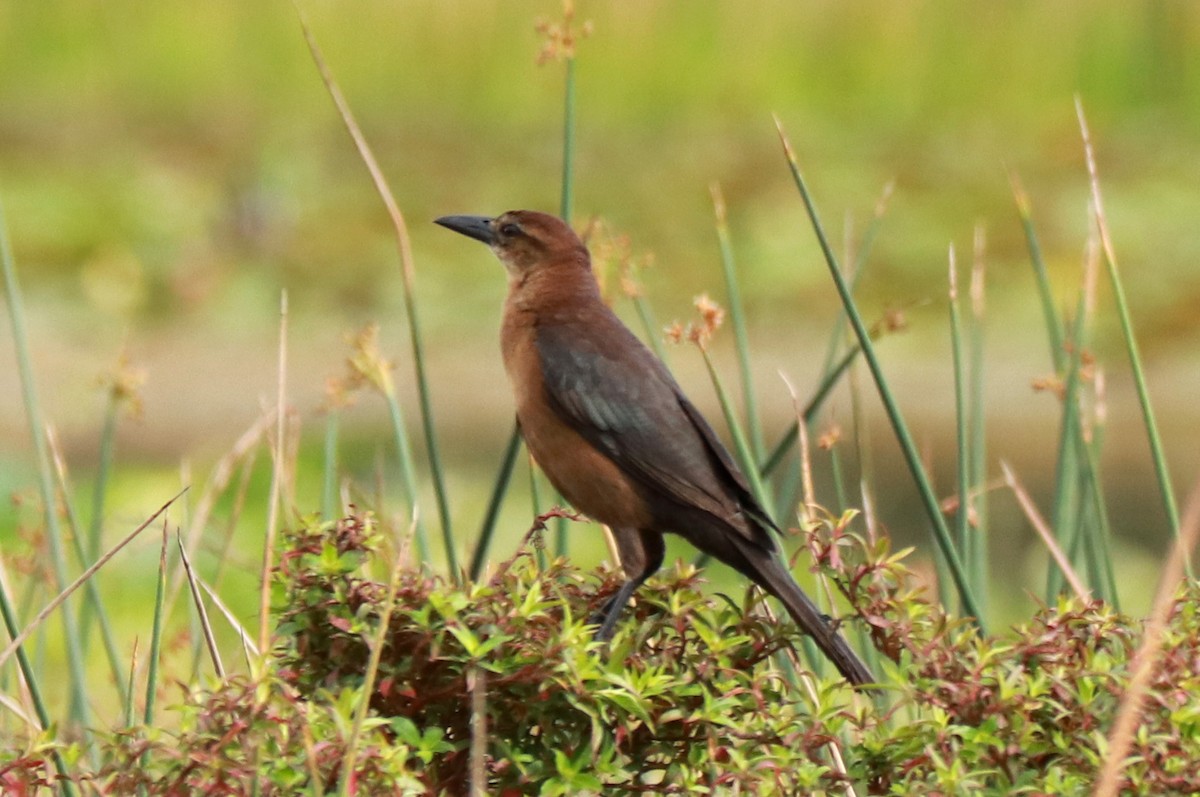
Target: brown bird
{"x": 613, "y": 431}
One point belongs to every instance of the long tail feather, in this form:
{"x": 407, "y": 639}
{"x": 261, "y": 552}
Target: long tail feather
{"x": 772, "y": 576}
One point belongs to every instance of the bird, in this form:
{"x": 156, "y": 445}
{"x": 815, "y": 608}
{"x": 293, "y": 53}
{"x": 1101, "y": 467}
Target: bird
{"x": 615, "y": 434}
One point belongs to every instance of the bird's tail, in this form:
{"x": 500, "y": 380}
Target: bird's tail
{"x": 775, "y": 579}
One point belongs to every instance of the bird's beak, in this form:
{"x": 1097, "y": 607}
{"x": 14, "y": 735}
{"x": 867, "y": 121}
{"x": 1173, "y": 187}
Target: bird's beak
{"x": 477, "y": 227}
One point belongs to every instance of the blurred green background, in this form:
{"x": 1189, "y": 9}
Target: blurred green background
{"x": 166, "y": 169}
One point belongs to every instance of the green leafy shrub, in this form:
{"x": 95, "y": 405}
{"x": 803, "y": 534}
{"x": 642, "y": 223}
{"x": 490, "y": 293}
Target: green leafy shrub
{"x": 697, "y": 694}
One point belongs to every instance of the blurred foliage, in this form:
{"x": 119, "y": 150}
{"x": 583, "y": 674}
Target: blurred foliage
{"x": 183, "y": 157}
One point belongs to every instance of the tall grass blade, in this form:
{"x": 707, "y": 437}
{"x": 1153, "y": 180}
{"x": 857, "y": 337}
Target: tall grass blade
{"x": 95, "y": 531}
{"x": 499, "y": 488}
{"x": 1135, "y": 360}
{"x": 856, "y": 273}
{"x": 650, "y": 326}
{"x": 408, "y": 281}
{"x": 156, "y": 632}
{"x": 210, "y": 641}
{"x": 1044, "y": 532}
{"x": 566, "y": 208}
{"x": 737, "y": 316}
{"x": 133, "y": 667}
{"x": 330, "y": 507}
{"x": 962, "y": 518}
{"x": 1103, "y": 579}
{"x": 29, "y": 674}
{"x": 566, "y": 205}
{"x": 277, "y": 479}
{"x": 741, "y": 448}
{"x": 787, "y": 485}
{"x": 828, "y": 383}
{"x": 928, "y": 498}
{"x": 91, "y": 591}
{"x": 977, "y": 551}
{"x": 408, "y": 476}
{"x": 1068, "y": 478}
{"x": 248, "y": 646}
{"x": 1054, "y": 326}
{"x": 77, "y": 685}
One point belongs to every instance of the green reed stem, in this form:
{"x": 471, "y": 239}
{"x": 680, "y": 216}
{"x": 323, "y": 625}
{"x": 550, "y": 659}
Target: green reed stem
{"x": 977, "y": 551}
{"x": 810, "y": 411}
{"x": 499, "y": 489}
{"x": 737, "y": 315}
{"x": 1054, "y": 326}
{"x": 37, "y": 430}
{"x": 962, "y": 516}
{"x": 908, "y": 447}
{"x": 1157, "y": 454}
{"x": 566, "y": 209}
{"x": 408, "y": 282}
{"x": 156, "y": 633}
{"x": 650, "y": 326}
{"x": 330, "y": 503}
{"x": 408, "y": 479}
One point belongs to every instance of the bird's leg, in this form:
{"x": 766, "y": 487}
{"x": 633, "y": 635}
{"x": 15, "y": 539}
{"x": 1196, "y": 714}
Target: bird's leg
{"x": 611, "y": 611}
{"x": 641, "y": 554}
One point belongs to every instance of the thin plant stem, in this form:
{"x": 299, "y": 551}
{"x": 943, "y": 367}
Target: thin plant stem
{"x": 156, "y": 632}
{"x": 737, "y": 315}
{"x": 828, "y": 383}
{"x": 277, "y": 478}
{"x": 128, "y": 705}
{"x": 977, "y": 551}
{"x": 1043, "y": 529}
{"x": 210, "y": 641}
{"x": 536, "y": 498}
{"x": 29, "y": 674}
{"x": 962, "y": 434}
{"x": 741, "y": 446}
{"x": 929, "y": 499}
{"x": 408, "y": 281}
{"x": 71, "y": 638}
{"x": 1157, "y": 454}
{"x": 567, "y": 199}
{"x": 1066, "y": 512}
{"x": 91, "y": 591}
{"x": 650, "y": 325}
{"x": 96, "y": 526}
{"x": 408, "y": 476}
{"x": 856, "y": 272}
{"x": 566, "y": 208}
{"x": 499, "y": 488}
{"x": 1054, "y": 326}
{"x": 218, "y": 481}
{"x": 1102, "y": 539}
{"x": 330, "y": 507}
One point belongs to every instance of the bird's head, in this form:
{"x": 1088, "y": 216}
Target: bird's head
{"x": 524, "y": 240}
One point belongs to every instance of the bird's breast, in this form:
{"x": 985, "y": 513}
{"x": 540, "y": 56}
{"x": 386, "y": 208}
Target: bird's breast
{"x": 588, "y": 479}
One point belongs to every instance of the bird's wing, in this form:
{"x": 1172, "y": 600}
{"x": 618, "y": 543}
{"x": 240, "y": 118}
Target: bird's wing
{"x": 612, "y": 390}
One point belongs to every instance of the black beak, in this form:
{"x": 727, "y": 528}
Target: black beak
{"x": 477, "y": 227}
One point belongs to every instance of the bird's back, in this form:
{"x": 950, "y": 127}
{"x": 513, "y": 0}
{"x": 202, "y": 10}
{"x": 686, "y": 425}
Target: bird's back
{"x": 606, "y": 386}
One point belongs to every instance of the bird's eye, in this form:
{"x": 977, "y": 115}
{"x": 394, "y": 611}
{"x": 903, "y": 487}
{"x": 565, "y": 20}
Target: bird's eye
{"x": 509, "y": 230}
